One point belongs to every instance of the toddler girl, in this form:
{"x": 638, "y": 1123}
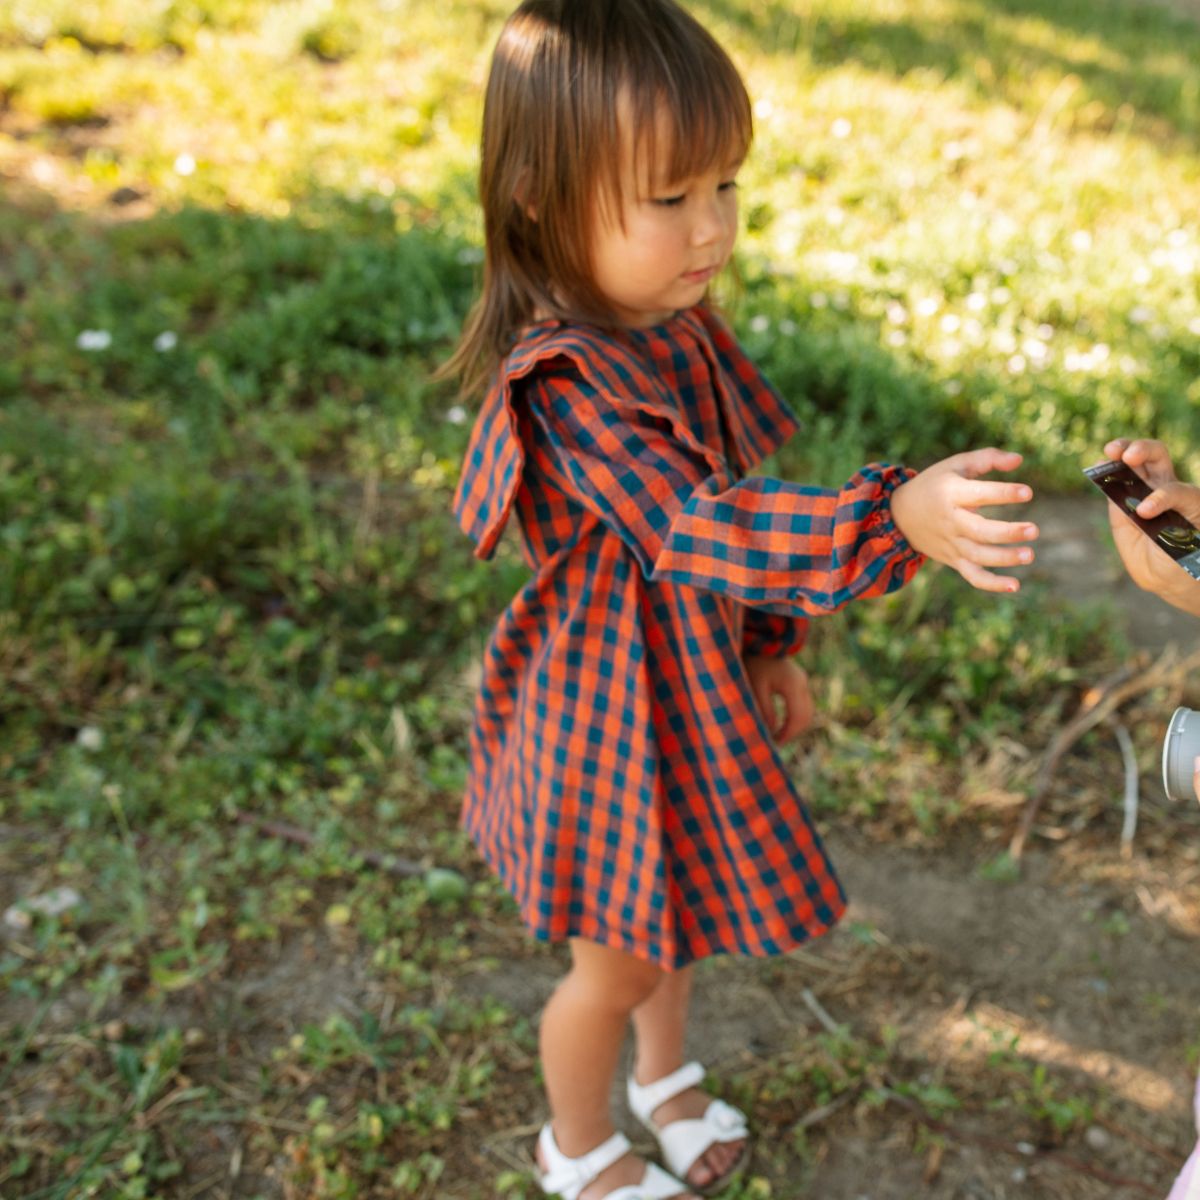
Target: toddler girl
{"x": 625, "y": 783}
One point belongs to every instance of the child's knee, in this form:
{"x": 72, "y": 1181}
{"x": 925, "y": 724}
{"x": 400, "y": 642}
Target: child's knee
{"x": 624, "y": 981}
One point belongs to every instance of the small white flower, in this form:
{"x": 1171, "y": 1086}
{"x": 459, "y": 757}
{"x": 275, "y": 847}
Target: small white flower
{"x": 1177, "y": 237}
{"x": 1100, "y": 352}
{"x": 94, "y": 339}
{"x": 1034, "y": 349}
{"x": 1016, "y": 364}
{"x": 787, "y": 326}
{"x": 897, "y": 314}
{"x": 1045, "y": 332}
{"x": 818, "y": 300}
{"x": 976, "y": 301}
{"x": 1001, "y": 295}
{"x": 90, "y": 738}
{"x": 1141, "y": 275}
{"x": 926, "y": 306}
{"x": 953, "y": 151}
{"x": 1140, "y": 314}
{"x": 1005, "y": 342}
{"x": 1081, "y": 240}
{"x": 897, "y": 337}
{"x": 456, "y": 415}
{"x": 167, "y": 340}
{"x": 763, "y": 108}
{"x": 759, "y": 324}
{"x": 950, "y": 323}
{"x": 1074, "y": 361}
{"x": 954, "y": 387}
{"x": 841, "y": 128}
{"x": 1194, "y": 326}
{"x": 185, "y": 164}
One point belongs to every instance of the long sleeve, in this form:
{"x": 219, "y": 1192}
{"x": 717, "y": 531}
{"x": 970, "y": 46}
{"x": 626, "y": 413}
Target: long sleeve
{"x": 772, "y": 634}
{"x": 770, "y": 544}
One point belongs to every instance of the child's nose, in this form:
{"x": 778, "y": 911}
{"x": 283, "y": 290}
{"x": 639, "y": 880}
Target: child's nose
{"x": 711, "y": 223}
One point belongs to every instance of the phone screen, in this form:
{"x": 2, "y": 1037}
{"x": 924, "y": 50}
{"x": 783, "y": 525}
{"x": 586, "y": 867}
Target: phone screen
{"x": 1170, "y": 530}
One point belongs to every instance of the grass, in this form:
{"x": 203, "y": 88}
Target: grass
{"x": 234, "y": 239}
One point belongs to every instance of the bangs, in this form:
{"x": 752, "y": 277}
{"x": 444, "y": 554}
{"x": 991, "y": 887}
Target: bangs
{"x": 688, "y": 123}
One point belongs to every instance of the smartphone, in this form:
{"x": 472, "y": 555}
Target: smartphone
{"x": 1170, "y": 530}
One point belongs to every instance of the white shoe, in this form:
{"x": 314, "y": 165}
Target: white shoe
{"x": 684, "y": 1141}
{"x": 567, "y": 1177}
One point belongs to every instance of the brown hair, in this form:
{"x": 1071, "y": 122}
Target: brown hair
{"x": 561, "y": 71}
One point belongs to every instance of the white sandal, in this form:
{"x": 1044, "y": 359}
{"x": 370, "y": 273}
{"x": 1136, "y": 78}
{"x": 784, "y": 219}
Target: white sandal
{"x": 567, "y": 1177}
{"x": 684, "y": 1141}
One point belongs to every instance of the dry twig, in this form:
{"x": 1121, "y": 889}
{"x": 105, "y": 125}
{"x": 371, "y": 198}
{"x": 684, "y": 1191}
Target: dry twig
{"x": 1098, "y": 704}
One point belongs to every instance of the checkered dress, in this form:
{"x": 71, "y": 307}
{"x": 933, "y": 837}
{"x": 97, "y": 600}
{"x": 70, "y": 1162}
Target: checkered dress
{"x": 623, "y": 783}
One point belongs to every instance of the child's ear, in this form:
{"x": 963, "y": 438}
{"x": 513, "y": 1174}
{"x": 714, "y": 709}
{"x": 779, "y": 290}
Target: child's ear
{"x": 521, "y": 196}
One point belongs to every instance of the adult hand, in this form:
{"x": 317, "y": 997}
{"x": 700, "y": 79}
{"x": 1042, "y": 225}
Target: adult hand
{"x": 781, "y": 688}
{"x": 935, "y": 511}
{"x": 1148, "y": 564}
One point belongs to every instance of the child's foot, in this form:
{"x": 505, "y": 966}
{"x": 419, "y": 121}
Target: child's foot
{"x": 718, "y": 1159}
{"x": 625, "y": 1172}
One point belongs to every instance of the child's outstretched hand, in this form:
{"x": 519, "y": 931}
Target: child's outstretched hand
{"x": 782, "y": 678}
{"x": 935, "y": 511}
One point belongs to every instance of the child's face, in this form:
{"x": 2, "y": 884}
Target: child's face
{"x": 655, "y": 251}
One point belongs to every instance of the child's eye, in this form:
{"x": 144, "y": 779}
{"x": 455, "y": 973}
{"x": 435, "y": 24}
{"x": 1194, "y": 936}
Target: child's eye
{"x": 669, "y": 201}
{"x": 727, "y": 185}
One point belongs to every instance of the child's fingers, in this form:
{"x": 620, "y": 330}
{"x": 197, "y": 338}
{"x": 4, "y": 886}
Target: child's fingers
{"x": 985, "y": 555}
{"x": 986, "y": 529}
{"x": 980, "y": 493}
{"x": 972, "y": 463}
{"x": 985, "y": 581}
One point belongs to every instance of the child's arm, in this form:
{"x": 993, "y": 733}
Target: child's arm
{"x": 935, "y": 511}
{"x": 768, "y": 543}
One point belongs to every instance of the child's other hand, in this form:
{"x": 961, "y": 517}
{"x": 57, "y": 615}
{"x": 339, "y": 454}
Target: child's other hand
{"x": 772, "y": 678}
{"x": 935, "y": 511}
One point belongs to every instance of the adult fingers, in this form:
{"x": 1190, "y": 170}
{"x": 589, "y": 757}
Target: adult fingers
{"x": 1196, "y": 778}
{"x": 1150, "y": 458}
{"x": 1182, "y": 497}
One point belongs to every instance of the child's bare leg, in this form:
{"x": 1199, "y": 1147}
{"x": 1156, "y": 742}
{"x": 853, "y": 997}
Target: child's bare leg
{"x": 583, "y": 1027}
{"x": 660, "y": 1022}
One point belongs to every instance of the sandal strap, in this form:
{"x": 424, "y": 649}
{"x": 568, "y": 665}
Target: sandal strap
{"x": 568, "y": 1177}
{"x": 684, "y": 1141}
{"x": 645, "y": 1098}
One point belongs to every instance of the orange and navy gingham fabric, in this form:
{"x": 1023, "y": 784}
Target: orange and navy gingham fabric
{"x": 623, "y": 783}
